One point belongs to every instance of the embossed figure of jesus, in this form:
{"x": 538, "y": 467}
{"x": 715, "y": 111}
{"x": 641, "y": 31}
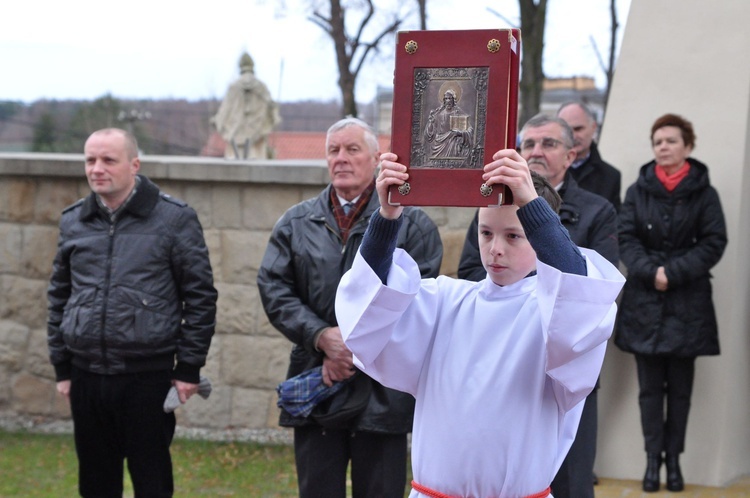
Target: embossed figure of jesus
{"x": 448, "y": 130}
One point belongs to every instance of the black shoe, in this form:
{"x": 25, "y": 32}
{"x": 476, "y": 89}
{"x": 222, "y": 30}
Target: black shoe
{"x": 674, "y": 475}
{"x": 653, "y": 468}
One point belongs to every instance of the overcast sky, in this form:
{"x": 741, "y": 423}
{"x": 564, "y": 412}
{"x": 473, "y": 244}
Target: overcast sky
{"x": 151, "y": 49}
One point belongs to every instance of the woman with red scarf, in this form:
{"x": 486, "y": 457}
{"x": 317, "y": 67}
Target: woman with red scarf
{"x": 672, "y": 232}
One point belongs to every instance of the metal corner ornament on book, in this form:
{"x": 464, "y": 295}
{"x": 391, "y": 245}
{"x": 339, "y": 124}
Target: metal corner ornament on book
{"x": 458, "y": 90}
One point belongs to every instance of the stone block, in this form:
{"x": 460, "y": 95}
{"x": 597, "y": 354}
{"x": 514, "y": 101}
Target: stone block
{"x": 37, "y": 355}
{"x": 264, "y": 326}
{"x": 213, "y": 243}
{"x": 6, "y": 374}
{"x": 273, "y": 411}
{"x": 250, "y": 407}
{"x": 213, "y": 412}
{"x": 226, "y": 211}
{"x": 263, "y": 205}
{"x": 24, "y": 300}
{"x": 14, "y": 338}
{"x": 39, "y": 249}
{"x": 199, "y": 198}
{"x": 254, "y": 362}
{"x": 11, "y": 248}
{"x": 52, "y": 197}
{"x": 33, "y": 395}
{"x": 17, "y": 199}
{"x": 212, "y": 368}
{"x": 241, "y": 255}
{"x": 60, "y": 406}
{"x": 237, "y": 309}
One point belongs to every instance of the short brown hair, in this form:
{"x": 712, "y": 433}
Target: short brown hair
{"x": 685, "y": 126}
{"x": 545, "y": 190}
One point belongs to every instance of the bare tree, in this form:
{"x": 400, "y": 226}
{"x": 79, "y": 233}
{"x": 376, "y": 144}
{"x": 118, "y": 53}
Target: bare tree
{"x": 612, "y": 47}
{"x": 609, "y": 68}
{"x": 422, "y": 14}
{"x": 533, "y": 14}
{"x": 351, "y": 50}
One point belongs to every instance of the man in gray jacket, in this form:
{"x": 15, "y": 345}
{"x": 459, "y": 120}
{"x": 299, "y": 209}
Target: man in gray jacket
{"x": 132, "y": 310}
{"x": 312, "y": 245}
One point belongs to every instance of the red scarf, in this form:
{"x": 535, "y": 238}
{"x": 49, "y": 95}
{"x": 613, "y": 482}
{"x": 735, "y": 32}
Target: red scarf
{"x": 670, "y": 182}
{"x": 346, "y": 221}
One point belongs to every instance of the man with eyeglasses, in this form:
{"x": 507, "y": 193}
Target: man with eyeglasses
{"x": 547, "y": 144}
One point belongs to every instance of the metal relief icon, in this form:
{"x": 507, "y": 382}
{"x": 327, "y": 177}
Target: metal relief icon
{"x": 404, "y": 189}
{"x": 485, "y": 190}
{"x": 411, "y": 47}
{"x": 493, "y": 45}
{"x": 449, "y": 109}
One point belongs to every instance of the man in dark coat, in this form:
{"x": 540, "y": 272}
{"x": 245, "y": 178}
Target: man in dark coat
{"x": 312, "y": 245}
{"x": 132, "y": 310}
{"x": 547, "y": 144}
{"x": 588, "y": 168}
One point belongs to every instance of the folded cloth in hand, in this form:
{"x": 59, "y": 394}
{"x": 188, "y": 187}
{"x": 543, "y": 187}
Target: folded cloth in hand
{"x": 298, "y": 395}
{"x": 172, "y": 402}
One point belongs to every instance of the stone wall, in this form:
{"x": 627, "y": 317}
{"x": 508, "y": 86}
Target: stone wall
{"x": 238, "y": 204}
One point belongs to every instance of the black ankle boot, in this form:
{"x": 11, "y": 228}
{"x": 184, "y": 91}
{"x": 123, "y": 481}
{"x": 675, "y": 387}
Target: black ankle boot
{"x": 653, "y": 468}
{"x": 674, "y": 475}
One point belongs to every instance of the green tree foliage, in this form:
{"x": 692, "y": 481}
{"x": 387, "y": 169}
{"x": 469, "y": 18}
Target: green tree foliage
{"x": 8, "y": 109}
{"x": 88, "y": 117}
{"x": 45, "y": 134}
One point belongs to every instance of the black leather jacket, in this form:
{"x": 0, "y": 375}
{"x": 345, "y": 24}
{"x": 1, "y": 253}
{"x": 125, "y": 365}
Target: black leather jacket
{"x": 298, "y": 278}
{"x": 134, "y": 294}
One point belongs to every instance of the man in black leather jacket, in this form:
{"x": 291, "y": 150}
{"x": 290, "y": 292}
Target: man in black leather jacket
{"x": 547, "y": 144}
{"x": 132, "y": 310}
{"x": 312, "y": 245}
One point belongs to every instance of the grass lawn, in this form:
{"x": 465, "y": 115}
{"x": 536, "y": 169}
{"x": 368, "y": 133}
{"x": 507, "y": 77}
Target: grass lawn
{"x": 44, "y": 466}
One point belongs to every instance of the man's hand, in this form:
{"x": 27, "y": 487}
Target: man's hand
{"x": 661, "y": 283}
{"x": 63, "y": 387}
{"x": 391, "y": 173}
{"x": 509, "y": 168}
{"x": 338, "y": 364}
{"x": 185, "y": 390}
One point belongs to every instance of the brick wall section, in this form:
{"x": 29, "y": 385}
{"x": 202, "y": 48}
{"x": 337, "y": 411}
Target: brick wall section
{"x": 238, "y": 203}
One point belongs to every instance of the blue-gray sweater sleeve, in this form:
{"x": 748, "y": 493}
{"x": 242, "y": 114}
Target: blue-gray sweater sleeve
{"x": 550, "y": 239}
{"x": 379, "y": 242}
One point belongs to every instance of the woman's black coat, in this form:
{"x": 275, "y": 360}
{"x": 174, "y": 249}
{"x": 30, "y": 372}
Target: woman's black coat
{"x": 684, "y": 231}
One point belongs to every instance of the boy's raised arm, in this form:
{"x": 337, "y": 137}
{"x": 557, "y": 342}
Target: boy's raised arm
{"x": 381, "y": 236}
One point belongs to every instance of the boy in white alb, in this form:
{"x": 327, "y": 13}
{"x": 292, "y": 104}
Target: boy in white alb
{"x": 499, "y": 368}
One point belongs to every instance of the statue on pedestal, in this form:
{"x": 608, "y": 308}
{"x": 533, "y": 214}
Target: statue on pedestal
{"x": 247, "y": 115}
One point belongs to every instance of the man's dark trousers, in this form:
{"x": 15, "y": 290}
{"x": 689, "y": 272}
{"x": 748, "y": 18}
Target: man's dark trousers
{"x": 378, "y": 463}
{"x": 119, "y": 417}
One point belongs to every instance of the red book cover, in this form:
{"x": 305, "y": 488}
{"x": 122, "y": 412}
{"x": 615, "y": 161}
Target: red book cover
{"x": 455, "y": 103}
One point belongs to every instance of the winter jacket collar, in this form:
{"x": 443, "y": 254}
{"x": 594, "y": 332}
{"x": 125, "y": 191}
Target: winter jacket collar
{"x": 696, "y": 180}
{"x": 141, "y": 204}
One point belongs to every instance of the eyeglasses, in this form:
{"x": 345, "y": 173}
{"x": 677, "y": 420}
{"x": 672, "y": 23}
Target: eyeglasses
{"x": 547, "y": 143}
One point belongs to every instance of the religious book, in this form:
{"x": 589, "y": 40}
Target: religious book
{"x": 455, "y": 103}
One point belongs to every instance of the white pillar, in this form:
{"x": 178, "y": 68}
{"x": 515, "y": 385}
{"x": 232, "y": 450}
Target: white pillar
{"x": 689, "y": 57}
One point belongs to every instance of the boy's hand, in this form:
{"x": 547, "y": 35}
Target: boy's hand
{"x": 509, "y": 168}
{"x": 391, "y": 173}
